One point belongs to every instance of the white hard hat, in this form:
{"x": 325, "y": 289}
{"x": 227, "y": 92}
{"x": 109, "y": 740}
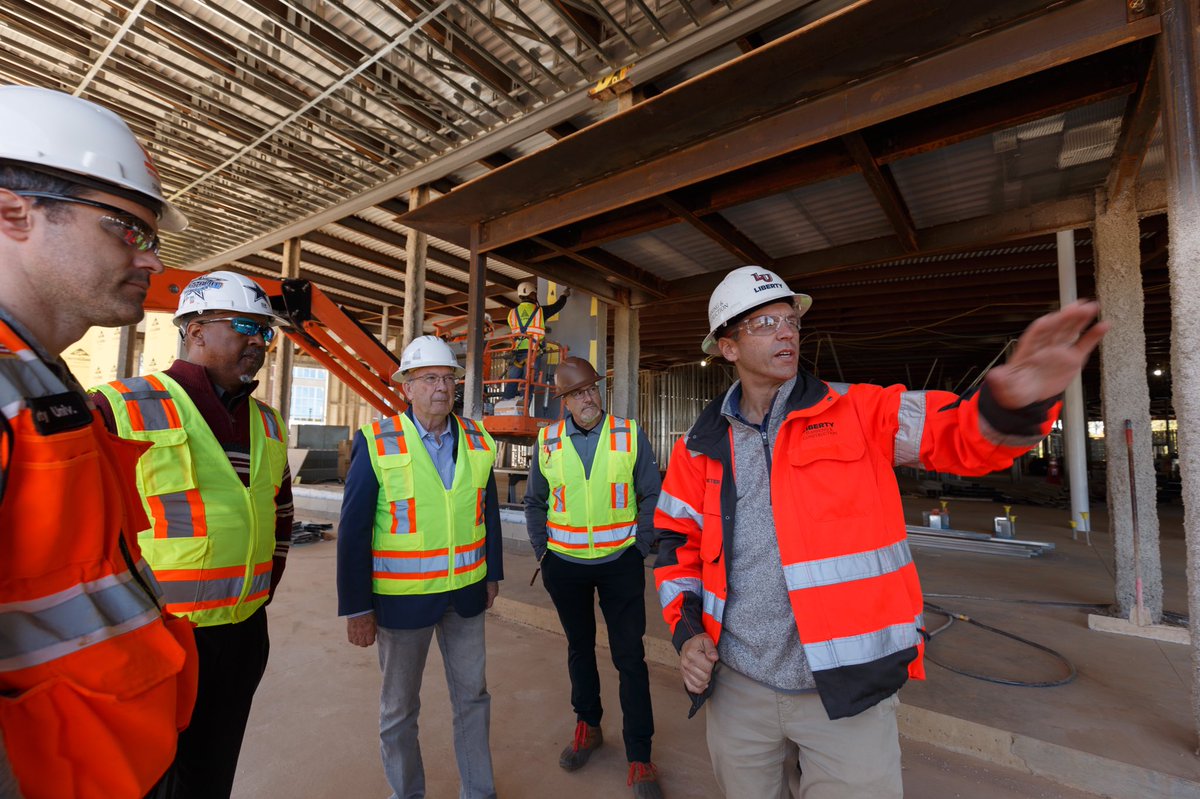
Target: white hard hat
{"x": 744, "y": 289}
{"x": 59, "y": 133}
{"x": 223, "y": 291}
{"x": 527, "y": 288}
{"x": 427, "y": 351}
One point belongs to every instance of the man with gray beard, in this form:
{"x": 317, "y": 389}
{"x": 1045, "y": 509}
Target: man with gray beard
{"x": 218, "y": 536}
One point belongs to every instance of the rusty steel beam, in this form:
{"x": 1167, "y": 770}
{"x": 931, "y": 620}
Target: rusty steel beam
{"x": 720, "y": 230}
{"x": 687, "y": 134}
{"x": 884, "y": 187}
{"x": 610, "y": 265}
{"x": 1137, "y": 129}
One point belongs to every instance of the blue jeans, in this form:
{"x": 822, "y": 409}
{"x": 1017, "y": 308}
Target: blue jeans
{"x": 402, "y": 655}
{"x": 516, "y": 371}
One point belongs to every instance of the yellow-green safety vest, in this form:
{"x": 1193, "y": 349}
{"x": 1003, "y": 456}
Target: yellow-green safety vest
{"x": 211, "y": 539}
{"x": 590, "y": 517}
{"x": 428, "y": 539}
{"x": 527, "y": 320}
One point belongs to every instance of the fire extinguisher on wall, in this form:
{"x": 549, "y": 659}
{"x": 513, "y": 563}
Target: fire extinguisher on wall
{"x": 1053, "y": 475}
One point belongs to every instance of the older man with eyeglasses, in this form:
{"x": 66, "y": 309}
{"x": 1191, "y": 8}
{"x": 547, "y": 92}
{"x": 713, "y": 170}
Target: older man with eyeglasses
{"x": 216, "y": 486}
{"x": 420, "y": 551}
{"x": 589, "y": 512}
{"x": 783, "y": 550}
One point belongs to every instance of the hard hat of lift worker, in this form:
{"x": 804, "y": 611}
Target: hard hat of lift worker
{"x": 223, "y": 291}
{"x": 527, "y": 290}
{"x": 573, "y": 374}
{"x": 744, "y": 289}
{"x": 427, "y": 351}
{"x": 52, "y": 132}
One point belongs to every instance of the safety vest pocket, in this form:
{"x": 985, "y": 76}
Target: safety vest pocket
{"x": 396, "y": 477}
{"x": 167, "y": 468}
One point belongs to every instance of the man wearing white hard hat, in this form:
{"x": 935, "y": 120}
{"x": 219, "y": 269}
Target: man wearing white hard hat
{"x": 783, "y": 555}
{"x": 419, "y": 552}
{"x": 217, "y": 489}
{"x": 528, "y": 321}
{"x": 97, "y": 679}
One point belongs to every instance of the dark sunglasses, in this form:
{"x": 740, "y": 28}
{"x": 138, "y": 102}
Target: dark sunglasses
{"x": 247, "y": 327}
{"x": 124, "y": 225}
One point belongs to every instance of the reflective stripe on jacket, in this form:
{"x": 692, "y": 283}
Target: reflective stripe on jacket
{"x": 839, "y": 521}
{"x": 527, "y": 320}
{"x": 596, "y": 516}
{"x": 96, "y": 679}
{"x": 428, "y": 539}
{"x": 211, "y": 539}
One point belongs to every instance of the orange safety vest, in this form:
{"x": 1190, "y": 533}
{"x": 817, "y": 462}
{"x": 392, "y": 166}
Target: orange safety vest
{"x": 527, "y": 320}
{"x": 839, "y": 522}
{"x": 97, "y": 680}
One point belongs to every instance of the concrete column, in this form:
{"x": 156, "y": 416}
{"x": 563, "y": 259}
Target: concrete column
{"x": 414, "y": 272}
{"x": 281, "y": 393}
{"x": 626, "y": 354}
{"x": 1126, "y": 395}
{"x": 1074, "y": 418}
{"x": 126, "y": 352}
{"x": 476, "y": 279}
{"x": 1178, "y": 64}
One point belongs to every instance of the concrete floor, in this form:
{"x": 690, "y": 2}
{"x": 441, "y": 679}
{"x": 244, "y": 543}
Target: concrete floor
{"x": 1121, "y": 729}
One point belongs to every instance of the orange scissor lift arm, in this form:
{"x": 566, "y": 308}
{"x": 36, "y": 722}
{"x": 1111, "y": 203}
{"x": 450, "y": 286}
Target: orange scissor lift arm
{"x": 355, "y": 356}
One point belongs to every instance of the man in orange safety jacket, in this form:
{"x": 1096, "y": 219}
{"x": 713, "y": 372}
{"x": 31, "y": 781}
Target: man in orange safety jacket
{"x": 782, "y": 544}
{"x": 97, "y": 679}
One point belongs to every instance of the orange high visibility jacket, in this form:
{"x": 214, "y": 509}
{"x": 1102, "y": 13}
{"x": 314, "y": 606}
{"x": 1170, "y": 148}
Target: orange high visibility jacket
{"x": 96, "y": 679}
{"x": 838, "y": 519}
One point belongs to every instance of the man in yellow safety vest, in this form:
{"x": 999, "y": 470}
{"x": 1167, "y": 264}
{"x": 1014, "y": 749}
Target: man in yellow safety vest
{"x": 419, "y": 551}
{"x": 528, "y": 321}
{"x": 217, "y": 490}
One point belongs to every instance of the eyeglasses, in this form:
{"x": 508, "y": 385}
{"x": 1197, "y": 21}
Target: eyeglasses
{"x": 125, "y": 226}
{"x": 247, "y": 327}
{"x": 768, "y": 324}
{"x": 433, "y": 381}
{"x": 583, "y": 392}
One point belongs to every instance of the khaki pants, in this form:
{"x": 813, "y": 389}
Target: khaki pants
{"x": 752, "y": 728}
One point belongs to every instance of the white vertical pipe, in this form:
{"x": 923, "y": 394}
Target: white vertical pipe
{"x": 1074, "y": 423}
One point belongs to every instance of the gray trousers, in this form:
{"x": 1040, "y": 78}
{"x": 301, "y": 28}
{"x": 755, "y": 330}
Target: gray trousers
{"x": 402, "y": 655}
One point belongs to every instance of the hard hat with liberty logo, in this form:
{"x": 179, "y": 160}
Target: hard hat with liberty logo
{"x": 742, "y": 290}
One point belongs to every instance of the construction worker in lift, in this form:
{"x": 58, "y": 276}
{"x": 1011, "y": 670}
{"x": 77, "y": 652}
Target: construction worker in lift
{"x": 528, "y": 321}
{"x": 420, "y": 551}
{"x": 97, "y": 678}
{"x": 218, "y": 491}
{"x": 589, "y": 513}
{"x": 782, "y": 545}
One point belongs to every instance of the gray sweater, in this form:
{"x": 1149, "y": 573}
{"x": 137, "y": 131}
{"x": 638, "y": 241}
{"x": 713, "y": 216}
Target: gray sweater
{"x": 758, "y": 633}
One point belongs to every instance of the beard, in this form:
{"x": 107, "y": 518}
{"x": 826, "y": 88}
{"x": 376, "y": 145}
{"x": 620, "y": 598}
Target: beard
{"x": 254, "y": 358}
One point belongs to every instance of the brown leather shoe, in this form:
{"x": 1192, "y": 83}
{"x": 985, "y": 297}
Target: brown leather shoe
{"x": 643, "y": 778}
{"x": 587, "y": 740}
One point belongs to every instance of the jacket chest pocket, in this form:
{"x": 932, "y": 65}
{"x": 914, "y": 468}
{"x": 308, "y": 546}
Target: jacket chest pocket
{"x": 830, "y": 476}
{"x": 712, "y": 533}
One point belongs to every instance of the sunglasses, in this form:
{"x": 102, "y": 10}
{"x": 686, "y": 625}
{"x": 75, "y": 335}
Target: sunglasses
{"x": 768, "y": 324}
{"x": 247, "y": 327}
{"x": 124, "y": 225}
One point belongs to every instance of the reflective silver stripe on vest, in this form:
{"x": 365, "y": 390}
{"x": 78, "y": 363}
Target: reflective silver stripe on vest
{"x": 177, "y": 512}
{"x": 846, "y": 568}
{"x": 714, "y": 606}
{"x": 150, "y": 402}
{"x": 270, "y": 421}
{"x": 566, "y": 536}
{"x": 465, "y": 560}
{"x": 671, "y": 589}
{"x": 614, "y": 535}
{"x": 188, "y": 592}
{"x": 437, "y": 563}
{"x": 911, "y": 419}
{"x": 390, "y": 436}
{"x": 678, "y": 509}
{"x": 856, "y": 649}
{"x": 40, "y": 630}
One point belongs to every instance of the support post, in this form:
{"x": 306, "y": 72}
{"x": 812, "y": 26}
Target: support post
{"x": 476, "y": 280}
{"x": 281, "y": 395}
{"x": 126, "y": 345}
{"x": 385, "y": 324}
{"x": 414, "y": 272}
{"x": 1126, "y": 395}
{"x": 1178, "y": 63}
{"x": 1074, "y": 418}
{"x": 626, "y": 354}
